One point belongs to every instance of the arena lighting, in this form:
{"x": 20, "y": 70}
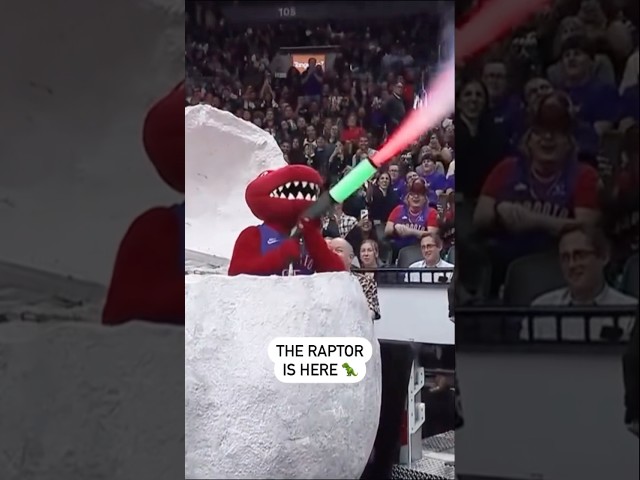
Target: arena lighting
{"x": 490, "y": 22}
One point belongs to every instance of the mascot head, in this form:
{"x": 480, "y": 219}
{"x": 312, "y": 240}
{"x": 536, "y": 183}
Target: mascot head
{"x": 163, "y": 137}
{"x": 281, "y": 196}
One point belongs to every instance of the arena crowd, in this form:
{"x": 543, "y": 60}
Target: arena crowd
{"x": 547, "y": 129}
{"x": 332, "y": 118}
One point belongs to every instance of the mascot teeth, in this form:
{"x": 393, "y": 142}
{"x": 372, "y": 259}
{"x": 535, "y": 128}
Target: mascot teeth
{"x": 297, "y": 190}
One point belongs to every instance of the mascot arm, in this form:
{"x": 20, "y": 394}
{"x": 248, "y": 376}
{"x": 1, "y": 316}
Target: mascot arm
{"x": 148, "y": 281}
{"x": 248, "y": 259}
{"x": 323, "y": 258}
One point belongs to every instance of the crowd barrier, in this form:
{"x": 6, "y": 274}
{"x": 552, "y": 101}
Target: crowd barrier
{"x": 544, "y": 325}
{"x": 554, "y": 405}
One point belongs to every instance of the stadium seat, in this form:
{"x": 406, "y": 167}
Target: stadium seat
{"x": 529, "y": 277}
{"x": 409, "y": 255}
{"x": 629, "y": 284}
{"x": 474, "y": 267}
{"x": 451, "y": 255}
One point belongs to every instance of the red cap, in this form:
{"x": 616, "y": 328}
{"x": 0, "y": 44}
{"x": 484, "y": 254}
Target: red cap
{"x": 418, "y": 186}
{"x": 554, "y": 112}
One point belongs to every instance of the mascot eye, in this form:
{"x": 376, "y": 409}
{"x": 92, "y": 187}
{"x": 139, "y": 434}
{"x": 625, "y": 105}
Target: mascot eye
{"x": 266, "y": 172}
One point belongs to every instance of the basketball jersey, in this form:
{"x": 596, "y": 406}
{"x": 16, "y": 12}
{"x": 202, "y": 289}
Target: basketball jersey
{"x": 554, "y": 199}
{"x": 417, "y": 221}
{"x": 271, "y": 238}
{"x": 178, "y": 210}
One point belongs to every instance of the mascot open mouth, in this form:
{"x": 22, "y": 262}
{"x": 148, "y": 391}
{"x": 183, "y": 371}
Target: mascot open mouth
{"x": 297, "y": 190}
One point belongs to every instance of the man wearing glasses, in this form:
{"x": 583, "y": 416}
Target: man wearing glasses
{"x": 584, "y": 254}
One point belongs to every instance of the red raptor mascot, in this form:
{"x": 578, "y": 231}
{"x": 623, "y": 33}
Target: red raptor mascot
{"x": 279, "y": 198}
{"x": 148, "y": 277}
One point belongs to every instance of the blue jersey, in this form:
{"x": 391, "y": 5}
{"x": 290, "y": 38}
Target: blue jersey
{"x": 178, "y": 210}
{"x": 270, "y": 239}
{"x": 554, "y": 199}
{"x": 418, "y": 221}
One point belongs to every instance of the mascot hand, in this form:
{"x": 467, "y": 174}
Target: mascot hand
{"x": 309, "y": 224}
{"x": 291, "y": 249}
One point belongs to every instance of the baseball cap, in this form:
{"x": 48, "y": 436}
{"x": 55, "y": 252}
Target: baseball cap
{"x": 418, "y": 186}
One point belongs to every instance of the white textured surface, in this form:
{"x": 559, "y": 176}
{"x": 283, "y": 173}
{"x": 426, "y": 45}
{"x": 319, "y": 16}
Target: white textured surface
{"x": 85, "y": 402}
{"x": 223, "y": 153}
{"x": 74, "y": 173}
{"x": 240, "y": 422}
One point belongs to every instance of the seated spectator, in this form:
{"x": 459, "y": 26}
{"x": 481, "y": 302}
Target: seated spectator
{"x": 431, "y": 248}
{"x": 412, "y": 220}
{"x": 502, "y": 104}
{"x": 345, "y": 222}
{"x": 603, "y": 69}
{"x": 381, "y": 200}
{"x": 363, "y": 231}
{"x": 594, "y": 103}
{"x": 353, "y": 131}
{"x": 396, "y": 179}
{"x": 479, "y": 140}
{"x": 529, "y": 199}
{"x": 584, "y": 254}
{"x": 408, "y": 180}
{"x": 436, "y": 182}
{"x": 368, "y": 255}
{"x": 364, "y": 151}
{"x": 369, "y": 286}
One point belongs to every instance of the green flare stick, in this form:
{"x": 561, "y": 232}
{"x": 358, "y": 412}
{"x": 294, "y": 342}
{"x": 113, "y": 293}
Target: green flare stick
{"x": 341, "y": 190}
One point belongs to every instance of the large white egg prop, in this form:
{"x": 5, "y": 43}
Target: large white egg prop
{"x": 240, "y": 421}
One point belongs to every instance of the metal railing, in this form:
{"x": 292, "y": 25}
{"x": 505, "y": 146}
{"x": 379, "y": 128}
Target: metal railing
{"x": 409, "y": 277}
{"x": 553, "y": 325}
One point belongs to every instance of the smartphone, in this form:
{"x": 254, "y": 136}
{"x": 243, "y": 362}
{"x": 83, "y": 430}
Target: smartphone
{"x": 364, "y": 213}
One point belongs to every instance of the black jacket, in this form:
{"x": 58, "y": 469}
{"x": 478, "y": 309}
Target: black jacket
{"x": 630, "y": 369}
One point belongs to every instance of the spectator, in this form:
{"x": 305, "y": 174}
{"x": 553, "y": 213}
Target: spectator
{"x": 327, "y": 114}
{"x": 431, "y": 248}
{"x": 396, "y": 179}
{"x": 584, "y": 254}
{"x": 436, "y": 182}
{"x": 587, "y": 50}
{"x": 479, "y": 140}
{"x": 311, "y": 82}
{"x": 353, "y": 131}
{"x": 337, "y": 163}
{"x": 345, "y": 222}
{"x": 603, "y": 69}
{"x": 381, "y": 200}
{"x": 411, "y": 221}
{"x": 394, "y": 108}
{"x": 595, "y": 103}
{"x": 501, "y": 104}
{"x": 364, "y": 151}
{"x": 369, "y": 255}
{"x": 529, "y": 199}
{"x": 369, "y": 286}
